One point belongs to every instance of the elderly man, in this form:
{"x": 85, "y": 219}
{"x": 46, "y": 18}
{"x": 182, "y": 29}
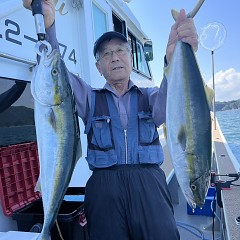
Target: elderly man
{"x": 127, "y": 195}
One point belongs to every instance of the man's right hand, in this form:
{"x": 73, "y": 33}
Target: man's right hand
{"x": 48, "y": 10}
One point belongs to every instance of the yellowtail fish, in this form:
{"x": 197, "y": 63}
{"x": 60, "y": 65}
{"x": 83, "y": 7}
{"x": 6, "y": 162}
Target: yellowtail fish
{"x": 188, "y": 122}
{"x": 58, "y": 135}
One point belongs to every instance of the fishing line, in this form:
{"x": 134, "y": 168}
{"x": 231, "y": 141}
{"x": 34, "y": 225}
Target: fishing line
{"x": 59, "y": 230}
{"x": 214, "y": 198}
{"x": 237, "y": 185}
{"x": 213, "y": 209}
{"x": 187, "y": 227}
{"x": 218, "y": 218}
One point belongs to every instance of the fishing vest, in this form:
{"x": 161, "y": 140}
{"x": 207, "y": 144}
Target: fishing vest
{"x": 109, "y": 144}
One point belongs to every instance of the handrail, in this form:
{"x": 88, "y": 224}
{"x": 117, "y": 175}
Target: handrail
{"x": 18, "y": 59}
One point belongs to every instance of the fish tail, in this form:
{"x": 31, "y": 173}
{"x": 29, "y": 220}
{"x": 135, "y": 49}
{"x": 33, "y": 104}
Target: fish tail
{"x": 44, "y": 236}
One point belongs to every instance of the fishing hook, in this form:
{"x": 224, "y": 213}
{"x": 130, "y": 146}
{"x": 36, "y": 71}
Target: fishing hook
{"x": 43, "y": 46}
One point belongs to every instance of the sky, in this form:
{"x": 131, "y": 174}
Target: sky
{"x": 155, "y": 19}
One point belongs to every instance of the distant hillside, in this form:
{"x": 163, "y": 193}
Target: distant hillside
{"x": 17, "y": 116}
{"x": 223, "y": 106}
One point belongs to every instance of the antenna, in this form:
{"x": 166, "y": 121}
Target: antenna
{"x": 212, "y": 37}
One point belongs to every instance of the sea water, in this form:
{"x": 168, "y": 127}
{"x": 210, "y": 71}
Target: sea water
{"x": 229, "y": 122}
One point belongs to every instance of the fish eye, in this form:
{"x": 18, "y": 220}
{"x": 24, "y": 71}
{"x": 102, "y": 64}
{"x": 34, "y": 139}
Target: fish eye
{"x": 54, "y": 72}
{"x": 193, "y": 187}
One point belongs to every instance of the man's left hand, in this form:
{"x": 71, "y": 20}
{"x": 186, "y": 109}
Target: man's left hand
{"x": 183, "y": 29}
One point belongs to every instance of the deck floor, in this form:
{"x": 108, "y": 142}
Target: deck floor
{"x": 195, "y": 227}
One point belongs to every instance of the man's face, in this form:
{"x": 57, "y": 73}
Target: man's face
{"x": 115, "y": 62}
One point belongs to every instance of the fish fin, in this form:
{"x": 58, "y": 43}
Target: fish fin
{"x": 79, "y": 150}
{"x": 209, "y": 94}
{"x": 79, "y": 145}
{"x": 166, "y": 70}
{"x": 164, "y": 130}
{"x": 191, "y": 14}
{"x": 38, "y": 186}
{"x": 196, "y": 9}
{"x": 175, "y": 14}
{"x": 182, "y": 138}
{"x": 52, "y": 119}
{"x": 44, "y": 236}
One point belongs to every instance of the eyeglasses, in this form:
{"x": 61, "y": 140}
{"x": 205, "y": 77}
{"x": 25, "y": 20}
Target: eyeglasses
{"x": 108, "y": 54}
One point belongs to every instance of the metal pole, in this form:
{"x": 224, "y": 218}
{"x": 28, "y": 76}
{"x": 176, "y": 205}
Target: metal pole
{"x": 18, "y": 59}
{"x": 214, "y": 114}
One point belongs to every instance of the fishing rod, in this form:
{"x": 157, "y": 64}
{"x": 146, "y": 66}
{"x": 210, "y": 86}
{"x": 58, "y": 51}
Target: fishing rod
{"x": 228, "y": 183}
{"x": 223, "y": 185}
{"x": 37, "y": 12}
{"x": 220, "y": 185}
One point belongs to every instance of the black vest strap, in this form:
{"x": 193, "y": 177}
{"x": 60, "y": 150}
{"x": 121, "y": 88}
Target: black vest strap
{"x": 143, "y": 103}
{"x": 102, "y": 109}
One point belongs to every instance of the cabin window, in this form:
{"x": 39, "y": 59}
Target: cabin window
{"x": 100, "y": 21}
{"x": 140, "y": 64}
{"x": 118, "y": 24}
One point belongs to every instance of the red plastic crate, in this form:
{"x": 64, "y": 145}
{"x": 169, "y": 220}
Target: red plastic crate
{"x": 19, "y": 171}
